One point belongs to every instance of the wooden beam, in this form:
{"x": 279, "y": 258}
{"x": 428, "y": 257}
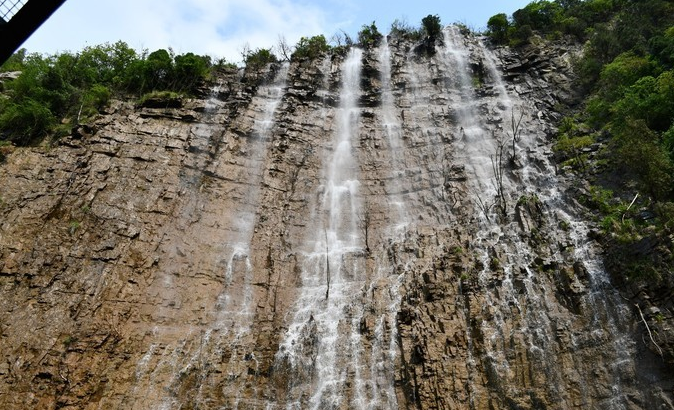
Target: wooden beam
{"x": 17, "y": 30}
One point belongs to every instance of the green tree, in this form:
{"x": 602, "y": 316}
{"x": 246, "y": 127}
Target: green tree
{"x": 105, "y": 63}
{"x": 369, "y": 35}
{"x": 72, "y": 87}
{"x": 310, "y": 48}
{"x": 431, "y": 26}
{"x": 662, "y": 47}
{"x": 668, "y": 143}
{"x": 498, "y": 26}
{"x": 638, "y": 149}
{"x": 259, "y": 58}
{"x": 97, "y": 97}
{"x": 649, "y": 99}
{"x": 133, "y": 78}
{"x": 25, "y": 122}
{"x": 400, "y": 28}
{"x": 622, "y": 72}
{"x": 520, "y": 34}
{"x": 158, "y": 70}
{"x": 189, "y": 69}
{"x": 15, "y": 61}
{"x": 539, "y": 15}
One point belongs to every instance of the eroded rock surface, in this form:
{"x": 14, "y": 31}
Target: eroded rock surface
{"x": 171, "y": 257}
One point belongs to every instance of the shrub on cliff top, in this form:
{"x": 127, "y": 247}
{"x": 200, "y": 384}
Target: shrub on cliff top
{"x": 369, "y": 36}
{"x": 259, "y": 58}
{"x": 431, "y": 26}
{"x": 402, "y": 29}
{"x": 25, "y": 122}
{"x": 498, "y": 26}
{"x": 310, "y": 48}
{"x": 72, "y": 87}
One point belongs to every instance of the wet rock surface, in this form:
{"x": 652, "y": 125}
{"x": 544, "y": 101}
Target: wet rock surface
{"x": 159, "y": 256}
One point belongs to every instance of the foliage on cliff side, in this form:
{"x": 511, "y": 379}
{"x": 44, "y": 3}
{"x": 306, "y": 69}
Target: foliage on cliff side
{"x": 68, "y": 87}
{"x": 626, "y": 74}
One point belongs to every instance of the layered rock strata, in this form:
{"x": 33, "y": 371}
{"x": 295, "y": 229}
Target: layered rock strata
{"x": 186, "y": 257}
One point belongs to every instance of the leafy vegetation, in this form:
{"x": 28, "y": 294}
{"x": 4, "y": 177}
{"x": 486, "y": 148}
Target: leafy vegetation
{"x": 310, "y": 48}
{"x": 161, "y": 99}
{"x": 431, "y": 26}
{"x": 6, "y": 148}
{"x": 498, "y": 27}
{"x": 369, "y": 36}
{"x": 402, "y": 29}
{"x": 54, "y": 92}
{"x": 258, "y": 58}
{"x": 68, "y": 88}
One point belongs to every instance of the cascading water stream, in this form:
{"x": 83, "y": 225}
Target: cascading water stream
{"x": 239, "y": 267}
{"x": 476, "y": 146}
{"x": 393, "y": 132}
{"x": 322, "y": 336}
{"x": 233, "y": 313}
{"x": 608, "y": 311}
{"x": 234, "y": 305}
{"x": 520, "y": 287}
{"x": 519, "y": 290}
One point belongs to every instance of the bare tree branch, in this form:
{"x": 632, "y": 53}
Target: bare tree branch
{"x": 365, "y": 220}
{"x": 284, "y": 49}
{"x": 648, "y": 328}
{"x": 516, "y": 132}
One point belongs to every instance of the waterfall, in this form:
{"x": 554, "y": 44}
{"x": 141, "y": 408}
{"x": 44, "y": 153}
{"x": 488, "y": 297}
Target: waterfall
{"x": 475, "y": 144}
{"x": 607, "y": 312}
{"x": 322, "y": 338}
{"x": 508, "y": 277}
{"x": 234, "y": 307}
{"x": 342, "y": 346}
{"x": 332, "y": 233}
{"x": 517, "y": 290}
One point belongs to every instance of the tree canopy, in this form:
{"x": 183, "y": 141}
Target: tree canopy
{"x": 74, "y": 86}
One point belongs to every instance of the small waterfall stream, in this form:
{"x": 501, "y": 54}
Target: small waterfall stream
{"x": 232, "y": 313}
{"x": 235, "y": 304}
{"x": 393, "y": 131}
{"x": 235, "y": 308}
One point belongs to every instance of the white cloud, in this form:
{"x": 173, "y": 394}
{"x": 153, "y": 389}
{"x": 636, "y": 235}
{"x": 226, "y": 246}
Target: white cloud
{"x": 223, "y": 31}
{"x": 215, "y": 27}
{"x": 220, "y": 28}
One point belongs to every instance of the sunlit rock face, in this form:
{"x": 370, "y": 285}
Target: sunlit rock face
{"x": 380, "y": 229}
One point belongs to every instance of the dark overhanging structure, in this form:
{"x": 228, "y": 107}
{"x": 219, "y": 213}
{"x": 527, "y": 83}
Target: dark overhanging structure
{"x": 19, "y": 19}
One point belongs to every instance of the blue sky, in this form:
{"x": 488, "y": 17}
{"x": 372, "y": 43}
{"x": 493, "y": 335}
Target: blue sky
{"x": 221, "y": 28}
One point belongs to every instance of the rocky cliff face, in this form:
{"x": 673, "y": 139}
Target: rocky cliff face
{"x": 380, "y": 229}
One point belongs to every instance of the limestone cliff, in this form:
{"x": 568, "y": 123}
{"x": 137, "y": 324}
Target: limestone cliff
{"x": 379, "y": 229}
